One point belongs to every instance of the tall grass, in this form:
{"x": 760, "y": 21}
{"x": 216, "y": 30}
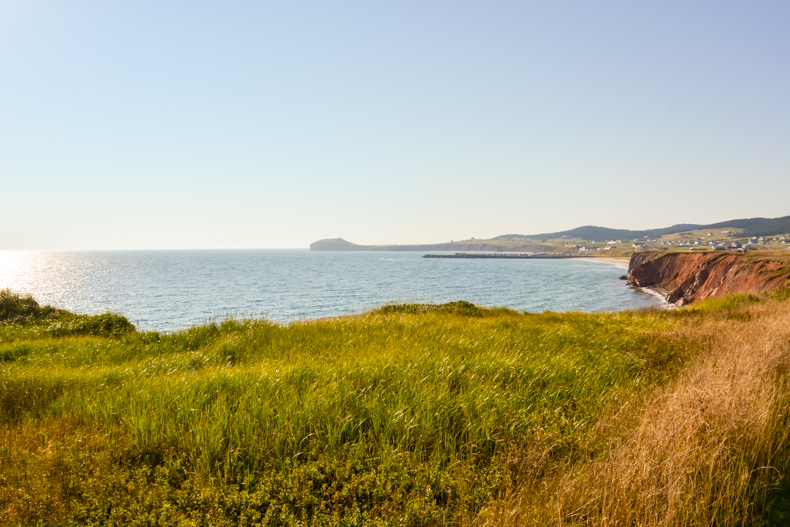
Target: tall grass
{"x": 709, "y": 449}
{"x": 407, "y": 415}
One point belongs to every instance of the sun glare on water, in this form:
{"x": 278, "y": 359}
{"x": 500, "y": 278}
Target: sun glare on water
{"x": 12, "y": 263}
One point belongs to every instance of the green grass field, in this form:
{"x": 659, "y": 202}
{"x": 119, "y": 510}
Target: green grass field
{"x": 407, "y": 415}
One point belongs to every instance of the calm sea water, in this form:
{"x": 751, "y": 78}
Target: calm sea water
{"x": 170, "y": 290}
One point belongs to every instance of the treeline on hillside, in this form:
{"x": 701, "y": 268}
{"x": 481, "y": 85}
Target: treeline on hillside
{"x": 768, "y": 227}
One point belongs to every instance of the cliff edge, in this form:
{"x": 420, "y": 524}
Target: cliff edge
{"x": 684, "y": 278}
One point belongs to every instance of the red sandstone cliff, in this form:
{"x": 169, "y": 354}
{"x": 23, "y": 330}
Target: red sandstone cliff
{"x": 684, "y": 278}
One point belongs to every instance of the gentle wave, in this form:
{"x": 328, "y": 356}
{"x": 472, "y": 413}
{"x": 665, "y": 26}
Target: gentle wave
{"x": 171, "y": 290}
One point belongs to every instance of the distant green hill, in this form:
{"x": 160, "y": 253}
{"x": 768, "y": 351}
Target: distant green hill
{"x": 602, "y": 234}
{"x": 751, "y": 226}
{"x": 768, "y": 227}
{"x": 529, "y": 242}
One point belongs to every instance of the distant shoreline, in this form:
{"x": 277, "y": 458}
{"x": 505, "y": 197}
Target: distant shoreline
{"x": 619, "y": 262}
{"x": 504, "y": 256}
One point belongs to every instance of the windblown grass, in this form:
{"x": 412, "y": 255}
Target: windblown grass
{"x": 407, "y": 415}
{"x": 711, "y": 448}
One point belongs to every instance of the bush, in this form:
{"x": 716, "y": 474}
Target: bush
{"x": 461, "y": 307}
{"x": 15, "y": 308}
{"x": 106, "y": 325}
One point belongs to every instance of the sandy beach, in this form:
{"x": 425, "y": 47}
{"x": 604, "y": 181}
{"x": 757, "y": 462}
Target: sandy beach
{"x": 619, "y": 262}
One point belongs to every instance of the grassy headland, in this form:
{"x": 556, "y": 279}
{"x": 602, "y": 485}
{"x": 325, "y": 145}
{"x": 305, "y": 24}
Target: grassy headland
{"x": 407, "y": 415}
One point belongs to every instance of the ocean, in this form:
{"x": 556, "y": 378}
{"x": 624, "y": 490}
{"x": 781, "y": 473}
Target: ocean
{"x": 172, "y": 290}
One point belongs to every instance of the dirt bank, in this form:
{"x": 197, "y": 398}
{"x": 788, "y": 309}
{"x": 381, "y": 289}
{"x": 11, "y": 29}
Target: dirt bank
{"x": 683, "y": 278}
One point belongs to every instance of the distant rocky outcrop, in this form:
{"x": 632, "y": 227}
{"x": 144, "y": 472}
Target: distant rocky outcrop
{"x": 337, "y": 244}
{"x": 684, "y": 278}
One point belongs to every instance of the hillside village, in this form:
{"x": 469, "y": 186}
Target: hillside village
{"x": 707, "y": 240}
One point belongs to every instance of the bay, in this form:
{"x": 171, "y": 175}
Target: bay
{"x": 172, "y": 290}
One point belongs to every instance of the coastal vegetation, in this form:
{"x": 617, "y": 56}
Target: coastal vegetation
{"x": 410, "y": 414}
{"x": 761, "y": 234}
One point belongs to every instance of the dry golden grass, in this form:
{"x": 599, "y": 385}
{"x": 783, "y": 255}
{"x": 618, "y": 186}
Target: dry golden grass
{"x": 709, "y": 449}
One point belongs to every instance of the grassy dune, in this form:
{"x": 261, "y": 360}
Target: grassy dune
{"x": 407, "y": 415}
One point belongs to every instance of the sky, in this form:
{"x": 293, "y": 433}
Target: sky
{"x": 197, "y": 124}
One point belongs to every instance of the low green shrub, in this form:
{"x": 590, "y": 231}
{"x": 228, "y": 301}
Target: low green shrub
{"x": 16, "y": 308}
{"x": 460, "y": 308}
{"x": 104, "y": 325}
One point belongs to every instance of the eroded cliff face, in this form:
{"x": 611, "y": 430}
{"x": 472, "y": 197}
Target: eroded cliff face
{"x": 684, "y": 278}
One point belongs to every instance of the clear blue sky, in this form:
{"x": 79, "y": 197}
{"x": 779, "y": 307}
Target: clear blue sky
{"x": 196, "y": 124}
